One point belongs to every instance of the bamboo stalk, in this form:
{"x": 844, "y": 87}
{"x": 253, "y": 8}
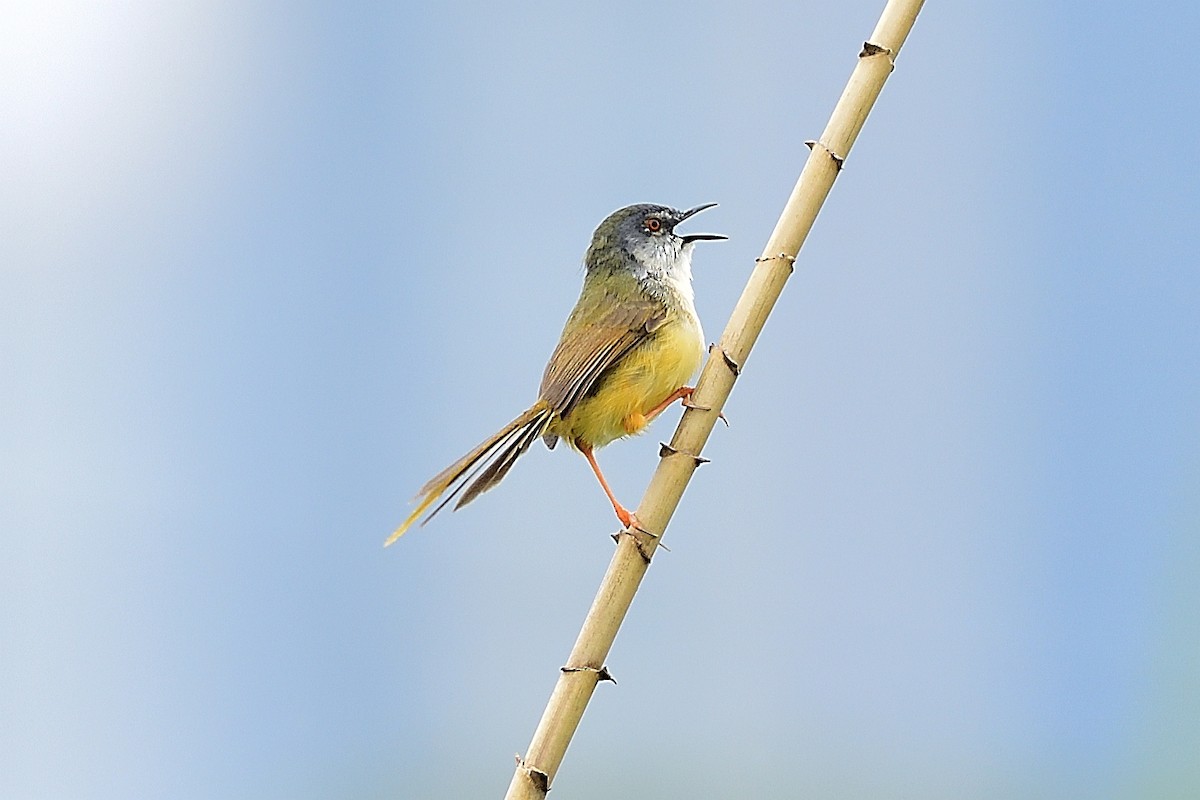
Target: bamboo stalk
{"x": 585, "y": 666}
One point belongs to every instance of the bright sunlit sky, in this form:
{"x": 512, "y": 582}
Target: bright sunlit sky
{"x": 265, "y": 268}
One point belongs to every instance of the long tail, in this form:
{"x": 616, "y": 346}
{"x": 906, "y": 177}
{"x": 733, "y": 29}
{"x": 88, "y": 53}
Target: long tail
{"x": 480, "y": 469}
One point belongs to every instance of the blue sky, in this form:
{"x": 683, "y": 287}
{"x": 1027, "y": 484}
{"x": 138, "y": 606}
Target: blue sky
{"x": 264, "y": 269}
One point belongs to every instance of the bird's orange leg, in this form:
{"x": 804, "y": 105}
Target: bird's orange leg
{"x": 683, "y": 393}
{"x": 627, "y": 519}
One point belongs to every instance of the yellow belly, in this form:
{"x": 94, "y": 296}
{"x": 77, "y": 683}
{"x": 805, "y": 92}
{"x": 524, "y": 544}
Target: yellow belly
{"x": 633, "y": 387}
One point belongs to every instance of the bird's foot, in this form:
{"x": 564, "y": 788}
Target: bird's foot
{"x": 628, "y": 518}
{"x": 630, "y": 522}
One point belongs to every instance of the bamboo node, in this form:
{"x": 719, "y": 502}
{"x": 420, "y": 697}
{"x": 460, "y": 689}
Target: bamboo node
{"x": 602, "y": 673}
{"x": 790, "y": 259}
{"x": 734, "y": 367}
{"x": 616, "y": 537}
{"x": 872, "y": 49}
{"x": 647, "y": 555}
{"x": 838, "y": 160}
{"x": 539, "y": 779}
{"x": 633, "y": 531}
{"x": 640, "y": 543}
{"x": 665, "y": 450}
{"x": 720, "y": 414}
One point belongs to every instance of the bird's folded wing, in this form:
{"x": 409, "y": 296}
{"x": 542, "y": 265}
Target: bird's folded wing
{"x": 596, "y": 337}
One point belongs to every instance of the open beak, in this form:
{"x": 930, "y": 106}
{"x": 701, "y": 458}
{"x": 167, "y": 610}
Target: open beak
{"x": 698, "y": 237}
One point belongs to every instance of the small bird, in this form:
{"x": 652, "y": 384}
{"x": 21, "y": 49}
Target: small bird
{"x": 625, "y": 354}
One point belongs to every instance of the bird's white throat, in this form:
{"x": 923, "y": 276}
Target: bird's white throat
{"x": 665, "y": 271}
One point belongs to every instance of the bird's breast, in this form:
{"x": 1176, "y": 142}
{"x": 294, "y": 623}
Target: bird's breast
{"x": 639, "y": 382}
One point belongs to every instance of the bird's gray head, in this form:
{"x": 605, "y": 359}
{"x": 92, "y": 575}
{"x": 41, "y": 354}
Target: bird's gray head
{"x": 641, "y": 239}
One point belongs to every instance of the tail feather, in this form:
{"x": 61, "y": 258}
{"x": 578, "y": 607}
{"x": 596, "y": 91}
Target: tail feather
{"x": 480, "y": 469}
{"x": 502, "y": 463}
{"x": 470, "y": 478}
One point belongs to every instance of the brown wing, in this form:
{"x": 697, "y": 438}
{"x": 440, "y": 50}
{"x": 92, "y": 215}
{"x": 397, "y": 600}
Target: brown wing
{"x": 599, "y": 332}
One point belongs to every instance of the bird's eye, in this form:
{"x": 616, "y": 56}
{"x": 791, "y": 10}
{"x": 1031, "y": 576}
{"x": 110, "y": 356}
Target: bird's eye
{"x": 653, "y": 224}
